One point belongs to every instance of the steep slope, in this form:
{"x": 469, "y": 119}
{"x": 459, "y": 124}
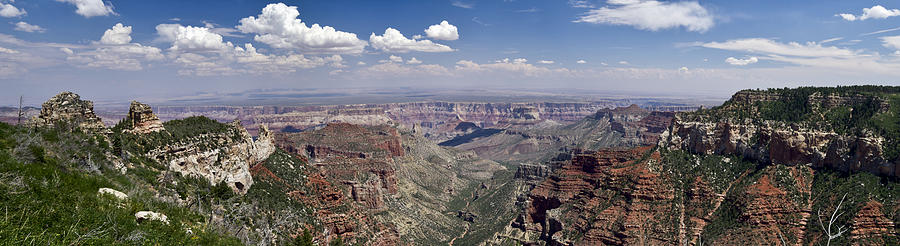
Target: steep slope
{"x": 741, "y": 173}
{"x": 422, "y": 193}
{"x": 849, "y": 128}
{"x": 627, "y": 126}
{"x": 56, "y": 177}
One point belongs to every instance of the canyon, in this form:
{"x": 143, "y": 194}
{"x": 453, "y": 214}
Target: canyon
{"x": 765, "y": 167}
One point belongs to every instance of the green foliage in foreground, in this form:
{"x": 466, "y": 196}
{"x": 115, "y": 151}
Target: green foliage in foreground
{"x": 48, "y": 200}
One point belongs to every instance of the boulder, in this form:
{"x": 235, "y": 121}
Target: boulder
{"x": 117, "y": 194}
{"x": 150, "y": 215}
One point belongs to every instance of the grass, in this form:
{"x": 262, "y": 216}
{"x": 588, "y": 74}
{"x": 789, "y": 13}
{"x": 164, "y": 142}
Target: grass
{"x": 49, "y": 181}
{"x": 45, "y": 205}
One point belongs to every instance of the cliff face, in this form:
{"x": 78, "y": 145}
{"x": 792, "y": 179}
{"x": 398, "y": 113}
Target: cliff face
{"x": 772, "y": 167}
{"x": 625, "y": 126}
{"x": 218, "y": 157}
{"x": 603, "y": 197}
{"x": 67, "y": 107}
{"x": 780, "y": 142}
{"x": 361, "y": 157}
{"x": 414, "y": 187}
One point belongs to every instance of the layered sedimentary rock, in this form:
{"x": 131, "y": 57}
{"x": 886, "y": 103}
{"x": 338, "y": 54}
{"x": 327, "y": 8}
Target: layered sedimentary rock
{"x": 142, "y": 120}
{"x": 603, "y": 197}
{"x": 223, "y": 157}
{"x": 532, "y": 172}
{"x": 626, "y": 126}
{"x": 426, "y": 115}
{"x": 777, "y": 142}
{"x": 405, "y": 180}
{"x": 870, "y": 225}
{"x": 351, "y": 153}
{"x": 67, "y": 107}
{"x": 772, "y": 212}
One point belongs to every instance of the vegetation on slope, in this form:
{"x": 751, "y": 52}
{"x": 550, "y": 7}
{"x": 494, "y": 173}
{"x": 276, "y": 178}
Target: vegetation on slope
{"x": 195, "y": 128}
{"x": 49, "y": 180}
{"x": 794, "y": 106}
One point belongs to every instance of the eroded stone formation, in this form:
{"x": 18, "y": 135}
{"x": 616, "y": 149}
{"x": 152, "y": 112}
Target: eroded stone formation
{"x": 780, "y": 142}
{"x": 67, "y": 107}
{"x": 220, "y": 157}
{"x": 142, "y": 119}
{"x": 608, "y": 197}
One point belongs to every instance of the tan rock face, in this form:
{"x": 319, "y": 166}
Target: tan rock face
{"x": 68, "y": 107}
{"x": 229, "y": 159}
{"x": 142, "y": 119}
{"x": 774, "y": 142}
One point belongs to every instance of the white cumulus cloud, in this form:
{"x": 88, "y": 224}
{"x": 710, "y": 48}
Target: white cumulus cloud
{"x": 191, "y": 37}
{"x": 90, "y": 8}
{"x": 201, "y": 52}
{"x": 413, "y": 61}
{"x": 118, "y": 34}
{"x": 581, "y": 62}
{"x": 651, "y": 15}
{"x": 115, "y": 51}
{"x": 394, "y": 41}
{"x": 279, "y": 27}
{"x": 9, "y": 11}
{"x": 518, "y": 66}
{"x": 545, "y": 62}
{"x": 442, "y": 31}
{"x": 741, "y": 62}
{"x": 25, "y": 27}
{"x": 875, "y": 12}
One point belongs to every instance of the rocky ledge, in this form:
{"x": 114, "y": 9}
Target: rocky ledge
{"x": 218, "y": 158}
{"x": 838, "y": 128}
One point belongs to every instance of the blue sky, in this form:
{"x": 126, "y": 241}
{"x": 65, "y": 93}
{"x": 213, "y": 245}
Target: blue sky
{"x": 117, "y": 50}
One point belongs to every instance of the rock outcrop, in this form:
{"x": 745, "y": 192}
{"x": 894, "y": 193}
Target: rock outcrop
{"x": 142, "y": 120}
{"x": 780, "y": 143}
{"x": 223, "y": 157}
{"x": 150, "y": 215}
{"x": 533, "y": 173}
{"x": 68, "y": 108}
{"x": 603, "y": 197}
{"x": 117, "y": 194}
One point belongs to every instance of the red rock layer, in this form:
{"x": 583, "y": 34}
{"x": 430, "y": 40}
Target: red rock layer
{"x": 770, "y": 213}
{"x": 870, "y": 225}
{"x": 608, "y": 196}
{"x": 333, "y": 210}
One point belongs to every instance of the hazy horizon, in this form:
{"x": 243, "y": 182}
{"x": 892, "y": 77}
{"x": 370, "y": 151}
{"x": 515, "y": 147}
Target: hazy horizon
{"x": 159, "y": 51}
